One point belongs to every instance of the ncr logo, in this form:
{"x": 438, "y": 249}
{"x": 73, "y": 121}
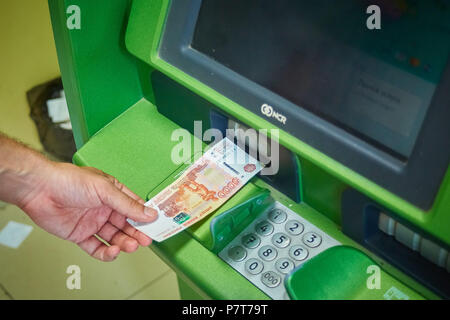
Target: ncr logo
{"x": 268, "y": 111}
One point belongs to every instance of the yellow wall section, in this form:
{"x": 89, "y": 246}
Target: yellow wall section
{"x": 27, "y": 58}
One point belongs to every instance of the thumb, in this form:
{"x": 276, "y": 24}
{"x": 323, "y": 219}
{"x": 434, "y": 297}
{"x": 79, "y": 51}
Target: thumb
{"x": 123, "y": 204}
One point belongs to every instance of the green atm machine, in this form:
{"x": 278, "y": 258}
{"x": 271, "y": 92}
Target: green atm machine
{"x": 359, "y": 206}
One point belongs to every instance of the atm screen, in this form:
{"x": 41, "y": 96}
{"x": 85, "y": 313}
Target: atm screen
{"x": 320, "y": 55}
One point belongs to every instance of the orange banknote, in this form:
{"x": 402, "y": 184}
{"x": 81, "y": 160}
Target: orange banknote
{"x": 200, "y": 190}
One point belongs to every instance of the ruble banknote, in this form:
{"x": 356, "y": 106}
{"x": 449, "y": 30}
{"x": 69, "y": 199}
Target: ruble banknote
{"x": 202, "y": 188}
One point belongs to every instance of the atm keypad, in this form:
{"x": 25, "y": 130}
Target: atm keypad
{"x": 277, "y": 216}
{"x": 267, "y": 253}
{"x": 237, "y": 253}
{"x": 294, "y": 227}
{"x": 298, "y": 253}
{"x": 284, "y": 265}
{"x": 251, "y": 241}
{"x": 264, "y": 228}
{"x": 281, "y": 240}
{"x": 312, "y": 239}
{"x": 270, "y": 279}
{"x": 254, "y": 266}
{"x": 273, "y": 246}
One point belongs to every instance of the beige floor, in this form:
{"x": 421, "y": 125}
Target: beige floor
{"x": 37, "y": 269}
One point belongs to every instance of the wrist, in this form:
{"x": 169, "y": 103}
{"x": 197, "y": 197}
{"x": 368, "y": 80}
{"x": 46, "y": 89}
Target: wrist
{"x": 23, "y": 176}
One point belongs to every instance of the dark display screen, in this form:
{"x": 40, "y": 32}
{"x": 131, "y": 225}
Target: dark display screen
{"x": 375, "y": 84}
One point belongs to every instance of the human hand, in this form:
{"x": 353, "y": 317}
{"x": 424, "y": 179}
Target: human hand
{"x": 77, "y": 203}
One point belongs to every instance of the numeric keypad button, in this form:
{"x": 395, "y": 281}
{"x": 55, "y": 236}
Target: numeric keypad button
{"x": 298, "y": 252}
{"x": 264, "y": 228}
{"x": 267, "y": 253}
{"x": 237, "y": 253}
{"x": 281, "y": 240}
{"x": 277, "y": 216}
{"x": 254, "y": 266}
{"x": 312, "y": 239}
{"x": 294, "y": 227}
{"x": 284, "y": 265}
{"x": 270, "y": 279}
{"x": 251, "y": 241}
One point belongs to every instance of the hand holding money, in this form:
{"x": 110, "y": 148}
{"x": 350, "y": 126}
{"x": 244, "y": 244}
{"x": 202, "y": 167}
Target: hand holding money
{"x": 201, "y": 189}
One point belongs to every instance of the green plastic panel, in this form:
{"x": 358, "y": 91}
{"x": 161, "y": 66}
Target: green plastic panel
{"x": 203, "y": 271}
{"x": 344, "y": 273}
{"x": 135, "y": 148}
{"x": 100, "y": 77}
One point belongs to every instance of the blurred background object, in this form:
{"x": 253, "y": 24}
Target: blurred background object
{"x": 48, "y": 109}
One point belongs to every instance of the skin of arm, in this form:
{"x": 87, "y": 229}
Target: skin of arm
{"x": 77, "y": 204}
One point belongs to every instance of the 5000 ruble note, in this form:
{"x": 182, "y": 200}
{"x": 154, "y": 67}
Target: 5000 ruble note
{"x": 201, "y": 189}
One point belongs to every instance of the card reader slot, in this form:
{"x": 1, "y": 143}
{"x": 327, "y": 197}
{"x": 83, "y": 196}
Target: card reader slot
{"x": 414, "y": 252}
{"x": 414, "y": 241}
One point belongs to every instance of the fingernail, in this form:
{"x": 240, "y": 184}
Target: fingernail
{"x": 150, "y": 212}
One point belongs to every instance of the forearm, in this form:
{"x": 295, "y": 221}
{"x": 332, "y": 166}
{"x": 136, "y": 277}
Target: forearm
{"x": 22, "y": 171}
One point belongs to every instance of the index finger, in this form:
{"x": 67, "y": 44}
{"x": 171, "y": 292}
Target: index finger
{"x": 119, "y": 185}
